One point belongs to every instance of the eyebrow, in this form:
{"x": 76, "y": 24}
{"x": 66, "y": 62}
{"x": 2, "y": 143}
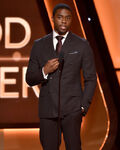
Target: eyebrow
{"x": 65, "y": 16}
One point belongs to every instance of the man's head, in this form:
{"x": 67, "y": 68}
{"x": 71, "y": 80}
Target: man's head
{"x": 62, "y": 18}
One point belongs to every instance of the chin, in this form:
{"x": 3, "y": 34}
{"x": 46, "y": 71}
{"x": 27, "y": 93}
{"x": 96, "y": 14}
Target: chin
{"x": 62, "y": 32}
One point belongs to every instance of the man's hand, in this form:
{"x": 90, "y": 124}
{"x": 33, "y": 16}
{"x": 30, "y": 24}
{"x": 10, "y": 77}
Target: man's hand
{"x": 51, "y": 66}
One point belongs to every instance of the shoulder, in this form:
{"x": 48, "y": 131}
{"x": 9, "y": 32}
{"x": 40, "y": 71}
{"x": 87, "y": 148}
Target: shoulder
{"x": 38, "y": 44}
{"x": 43, "y": 39}
{"x": 79, "y": 40}
{"x": 77, "y": 37}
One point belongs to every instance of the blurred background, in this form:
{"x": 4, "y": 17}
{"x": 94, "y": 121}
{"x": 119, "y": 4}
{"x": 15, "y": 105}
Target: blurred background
{"x": 22, "y": 22}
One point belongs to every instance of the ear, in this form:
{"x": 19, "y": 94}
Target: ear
{"x": 52, "y": 19}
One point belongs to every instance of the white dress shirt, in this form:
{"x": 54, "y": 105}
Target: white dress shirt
{"x": 55, "y": 41}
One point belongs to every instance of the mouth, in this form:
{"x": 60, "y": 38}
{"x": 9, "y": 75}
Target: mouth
{"x": 63, "y": 27}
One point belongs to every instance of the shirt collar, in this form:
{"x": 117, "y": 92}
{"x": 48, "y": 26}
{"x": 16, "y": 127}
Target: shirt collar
{"x": 56, "y": 34}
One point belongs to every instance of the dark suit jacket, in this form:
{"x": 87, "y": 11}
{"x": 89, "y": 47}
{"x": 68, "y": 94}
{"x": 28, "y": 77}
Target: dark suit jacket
{"x": 77, "y": 55}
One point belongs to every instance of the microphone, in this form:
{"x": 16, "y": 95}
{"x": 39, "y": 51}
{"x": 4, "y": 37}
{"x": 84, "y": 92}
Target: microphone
{"x": 61, "y": 61}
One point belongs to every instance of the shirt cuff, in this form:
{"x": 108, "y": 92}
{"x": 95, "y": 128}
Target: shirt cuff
{"x": 45, "y": 76}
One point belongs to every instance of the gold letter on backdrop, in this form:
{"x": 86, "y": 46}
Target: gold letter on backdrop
{"x": 8, "y": 21}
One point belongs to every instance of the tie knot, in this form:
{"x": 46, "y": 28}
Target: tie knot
{"x": 59, "y": 38}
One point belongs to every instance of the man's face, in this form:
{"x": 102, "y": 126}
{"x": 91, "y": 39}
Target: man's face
{"x": 62, "y": 21}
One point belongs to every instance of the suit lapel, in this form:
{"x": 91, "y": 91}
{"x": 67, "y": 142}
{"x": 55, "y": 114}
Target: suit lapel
{"x": 49, "y": 46}
{"x": 67, "y": 43}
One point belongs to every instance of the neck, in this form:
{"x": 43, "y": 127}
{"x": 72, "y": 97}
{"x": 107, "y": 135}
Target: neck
{"x": 60, "y": 32}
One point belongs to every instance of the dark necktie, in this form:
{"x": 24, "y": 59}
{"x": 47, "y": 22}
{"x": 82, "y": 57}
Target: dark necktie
{"x": 59, "y": 44}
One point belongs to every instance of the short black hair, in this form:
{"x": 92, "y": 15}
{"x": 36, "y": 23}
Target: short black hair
{"x": 61, "y": 6}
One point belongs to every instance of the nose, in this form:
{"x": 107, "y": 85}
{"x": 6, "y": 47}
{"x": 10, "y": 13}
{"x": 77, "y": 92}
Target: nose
{"x": 64, "y": 20}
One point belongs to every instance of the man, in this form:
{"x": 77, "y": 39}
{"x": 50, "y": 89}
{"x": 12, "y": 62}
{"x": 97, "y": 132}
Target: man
{"x": 43, "y": 69}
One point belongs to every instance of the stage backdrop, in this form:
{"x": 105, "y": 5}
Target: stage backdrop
{"x": 21, "y": 22}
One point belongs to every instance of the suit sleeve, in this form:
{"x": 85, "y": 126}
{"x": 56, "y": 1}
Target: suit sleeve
{"x": 89, "y": 74}
{"x": 34, "y": 74}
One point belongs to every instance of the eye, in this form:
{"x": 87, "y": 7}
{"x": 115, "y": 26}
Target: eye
{"x": 59, "y": 17}
{"x": 68, "y": 18}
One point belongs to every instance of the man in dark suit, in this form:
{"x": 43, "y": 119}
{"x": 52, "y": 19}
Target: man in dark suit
{"x": 43, "y": 69}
